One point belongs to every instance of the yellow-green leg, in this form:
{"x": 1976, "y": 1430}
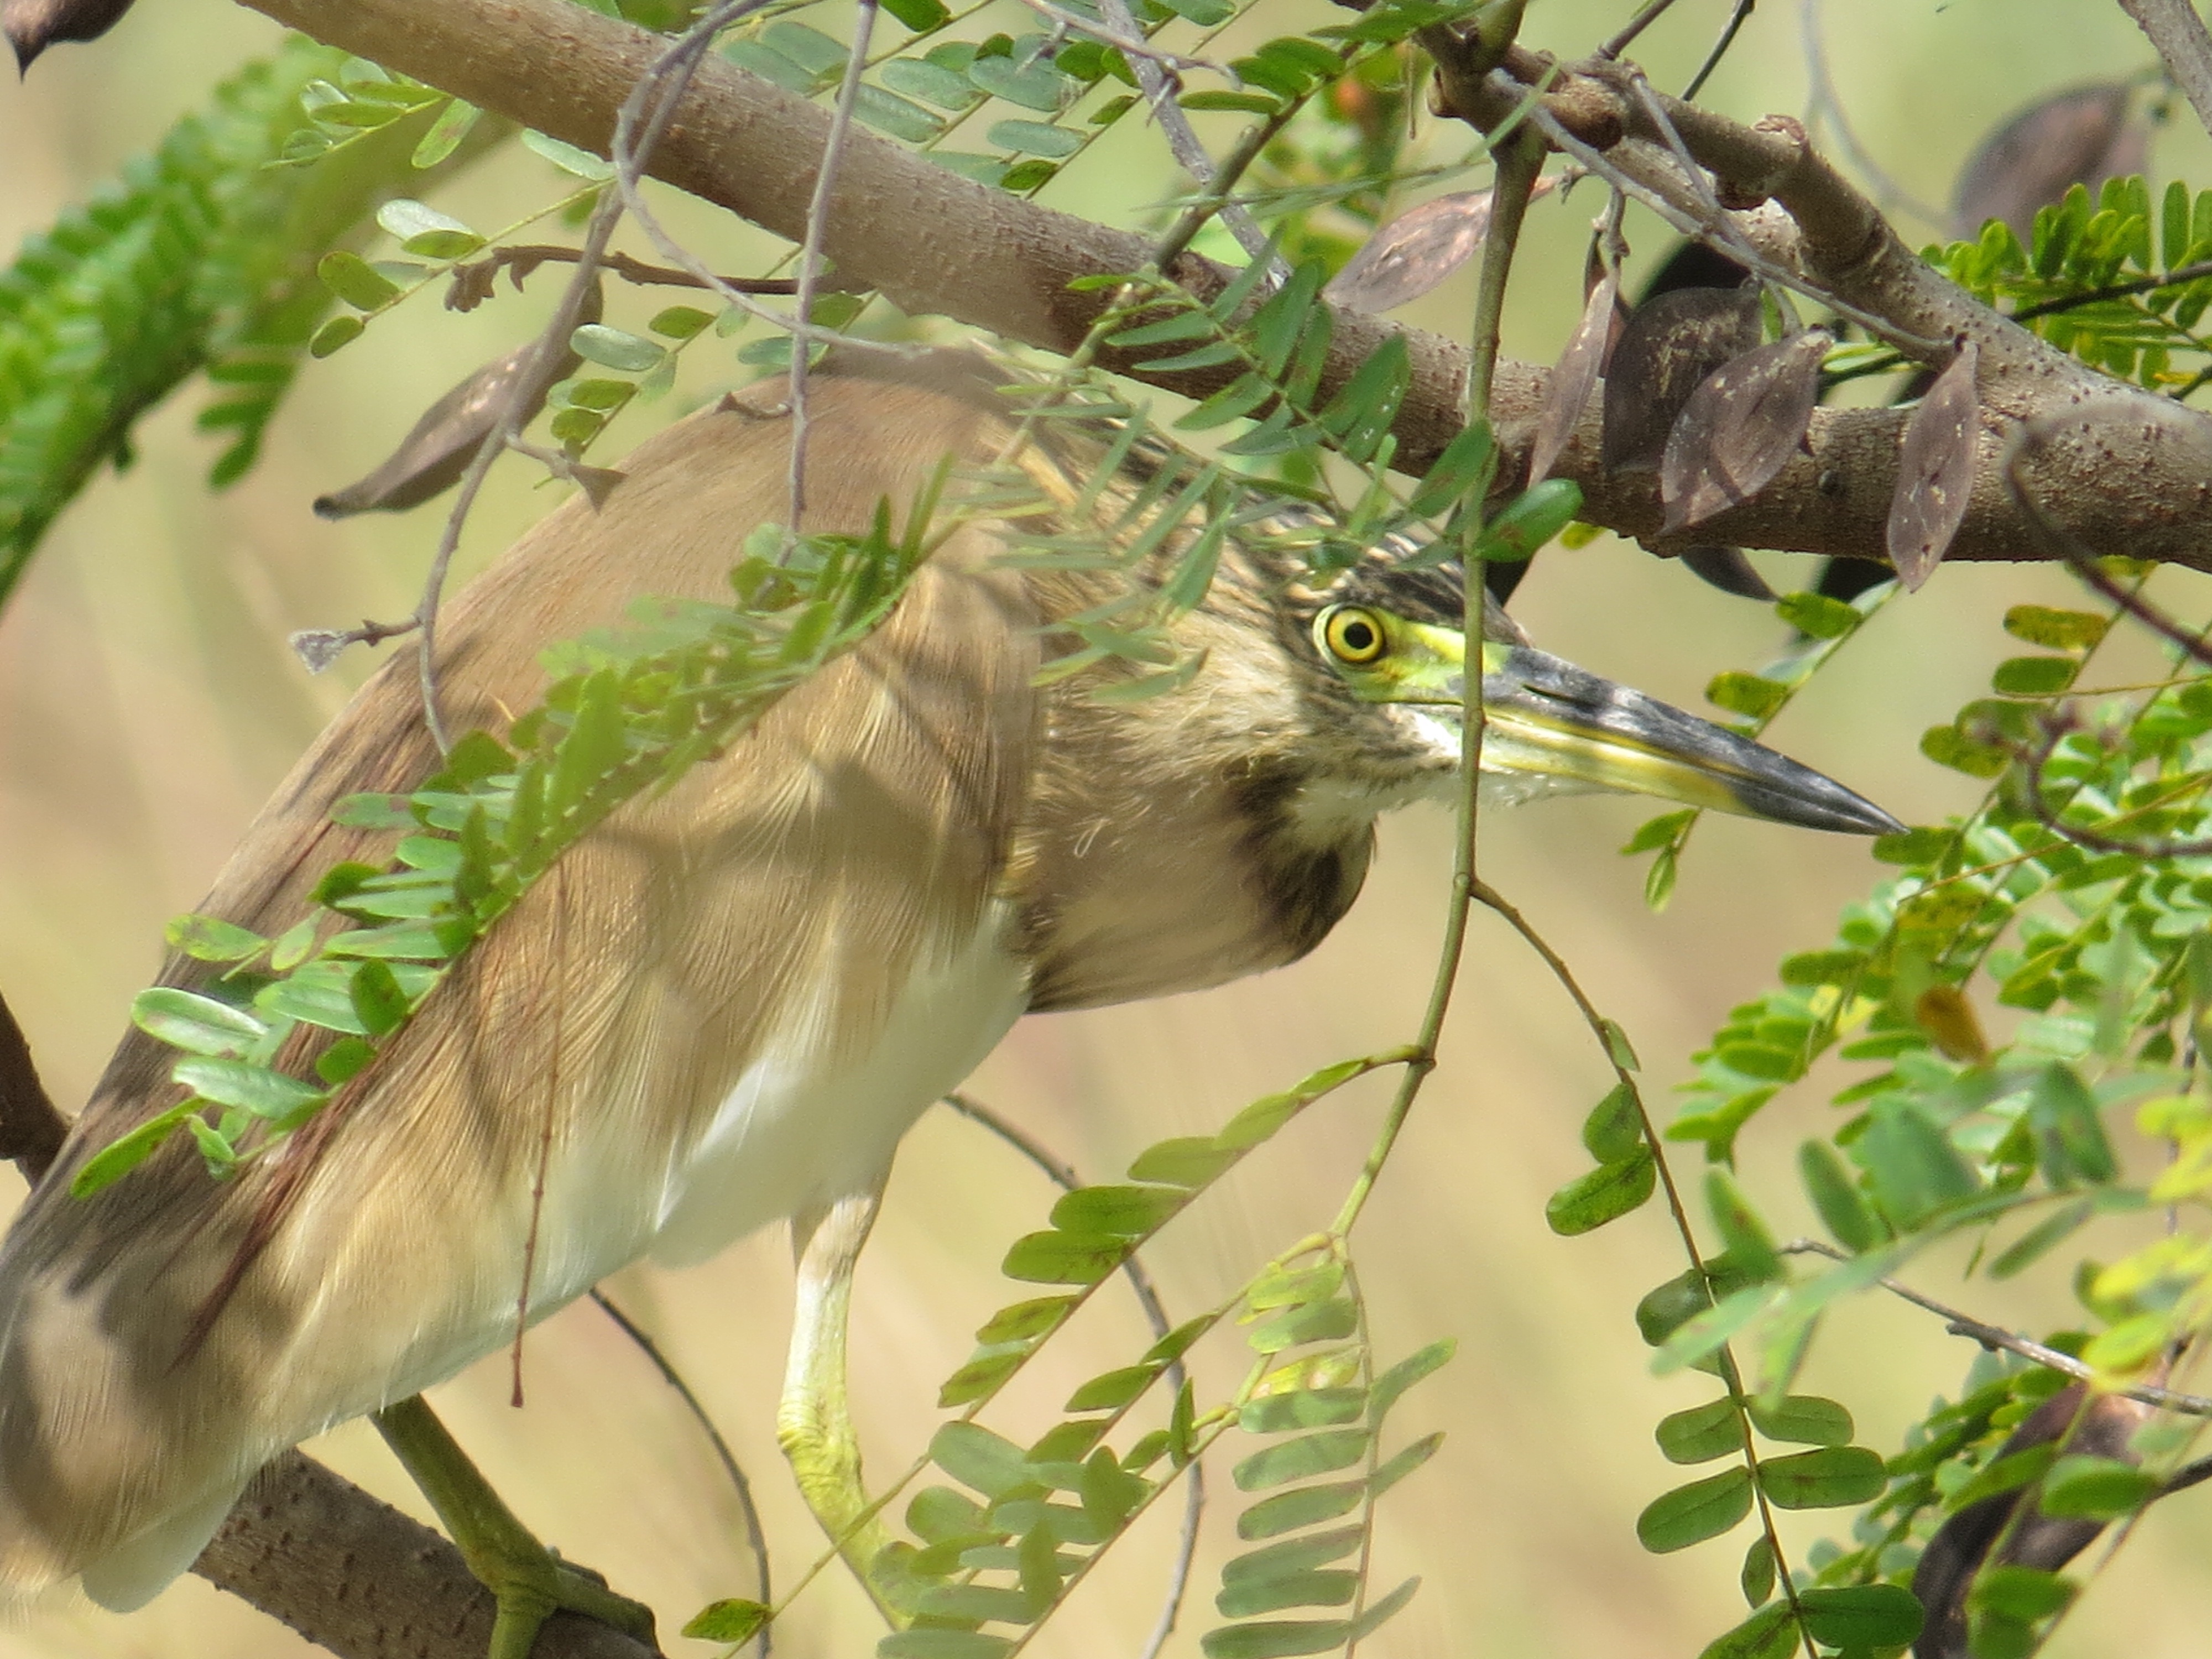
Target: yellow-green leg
{"x": 527, "y": 1580}
{"x": 813, "y": 1424}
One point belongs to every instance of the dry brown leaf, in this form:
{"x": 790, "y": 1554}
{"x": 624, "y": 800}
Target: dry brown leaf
{"x": 1729, "y": 569}
{"x": 1934, "y": 471}
{"x": 32, "y": 25}
{"x": 2082, "y": 136}
{"x": 1672, "y": 342}
{"x": 1740, "y": 427}
{"x": 1407, "y": 258}
{"x": 1573, "y": 378}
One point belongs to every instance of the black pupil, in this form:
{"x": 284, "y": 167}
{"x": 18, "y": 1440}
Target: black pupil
{"x": 1358, "y": 636}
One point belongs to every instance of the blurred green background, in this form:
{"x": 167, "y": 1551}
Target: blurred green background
{"x": 148, "y": 702}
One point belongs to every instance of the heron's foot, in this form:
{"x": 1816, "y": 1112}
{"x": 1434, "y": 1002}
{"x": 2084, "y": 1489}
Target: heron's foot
{"x": 528, "y": 1582}
{"x": 530, "y": 1585}
{"x": 819, "y": 1442}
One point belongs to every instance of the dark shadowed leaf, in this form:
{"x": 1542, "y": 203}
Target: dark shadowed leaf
{"x": 1740, "y": 427}
{"x": 1934, "y": 471}
{"x": 1573, "y": 378}
{"x": 1670, "y": 344}
{"x": 1729, "y": 569}
{"x": 32, "y": 25}
{"x": 2081, "y": 136}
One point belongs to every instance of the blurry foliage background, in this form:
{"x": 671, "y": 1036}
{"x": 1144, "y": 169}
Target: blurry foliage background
{"x": 147, "y": 703}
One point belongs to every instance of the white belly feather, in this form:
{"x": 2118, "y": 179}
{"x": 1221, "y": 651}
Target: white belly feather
{"x": 799, "y": 1128}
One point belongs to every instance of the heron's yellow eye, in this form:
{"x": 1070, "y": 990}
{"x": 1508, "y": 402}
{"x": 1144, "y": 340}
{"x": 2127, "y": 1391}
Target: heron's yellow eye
{"x": 1352, "y": 635}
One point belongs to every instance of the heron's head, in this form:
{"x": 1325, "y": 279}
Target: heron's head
{"x": 1392, "y": 634}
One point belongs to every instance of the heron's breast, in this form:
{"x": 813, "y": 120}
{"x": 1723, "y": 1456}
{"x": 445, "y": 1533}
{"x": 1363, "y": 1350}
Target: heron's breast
{"x": 815, "y": 1115}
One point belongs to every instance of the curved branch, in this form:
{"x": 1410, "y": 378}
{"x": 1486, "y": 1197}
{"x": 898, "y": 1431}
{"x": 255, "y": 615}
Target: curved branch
{"x": 933, "y": 242}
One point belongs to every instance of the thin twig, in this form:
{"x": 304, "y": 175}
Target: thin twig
{"x": 2113, "y": 291}
{"x": 1694, "y": 220}
{"x": 1731, "y": 1375}
{"x": 472, "y": 280}
{"x": 1062, "y": 1174}
{"x": 1635, "y": 26}
{"x": 1995, "y": 1336}
{"x": 810, "y": 250}
{"x": 630, "y": 161}
{"x": 1182, "y": 140}
{"x": 1728, "y": 31}
{"x": 756, "y": 1535}
{"x": 1123, "y": 34}
{"x": 553, "y": 341}
{"x": 2081, "y": 559}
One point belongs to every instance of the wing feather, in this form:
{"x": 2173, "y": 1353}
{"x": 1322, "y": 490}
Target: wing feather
{"x": 853, "y": 840}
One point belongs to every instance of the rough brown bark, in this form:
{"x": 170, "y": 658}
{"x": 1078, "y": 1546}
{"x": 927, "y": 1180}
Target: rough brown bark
{"x": 933, "y": 242}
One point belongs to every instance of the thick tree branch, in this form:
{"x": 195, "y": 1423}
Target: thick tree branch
{"x": 936, "y": 243}
{"x": 306, "y": 1546}
{"x": 2184, "y": 44}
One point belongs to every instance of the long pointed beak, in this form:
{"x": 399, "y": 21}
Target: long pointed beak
{"x": 1543, "y": 717}
{"x": 1543, "y": 714}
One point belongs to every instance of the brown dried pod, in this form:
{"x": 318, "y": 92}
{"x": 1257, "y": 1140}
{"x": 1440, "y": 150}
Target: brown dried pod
{"x": 1729, "y": 569}
{"x": 1935, "y": 471}
{"x": 32, "y": 25}
{"x": 1741, "y": 427}
{"x": 1415, "y": 251}
{"x": 1671, "y": 343}
{"x": 438, "y": 449}
{"x": 2082, "y": 136}
{"x": 1574, "y": 378}
{"x": 1960, "y": 1548}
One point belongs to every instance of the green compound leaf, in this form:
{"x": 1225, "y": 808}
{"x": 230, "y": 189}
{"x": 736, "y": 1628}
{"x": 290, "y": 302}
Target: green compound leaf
{"x": 2095, "y": 1488}
{"x": 1296, "y": 1460}
{"x": 1689, "y": 1515}
{"x": 978, "y": 1459}
{"x": 1058, "y": 1258}
{"x": 127, "y": 1151}
{"x": 2026, "y": 1593}
{"x": 1804, "y": 1420}
{"x": 1605, "y": 1193}
{"x": 1832, "y": 1478}
{"x": 1613, "y": 1131}
{"x": 1861, "y": 1616}
{"x": 942, "y": 1644}
{"x": 254, "y": 1088}
{"x": 197, "y": 1024}
{"x": 1770, "y": 1633}
{"x": 1701, "y": 1433}
{"x": 1308, "y": 1506}
{"x": 209, "y": 938}
{"x": 731, "y": 1620}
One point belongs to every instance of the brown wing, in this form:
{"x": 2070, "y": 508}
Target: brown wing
{"x": 849, "y": 843}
